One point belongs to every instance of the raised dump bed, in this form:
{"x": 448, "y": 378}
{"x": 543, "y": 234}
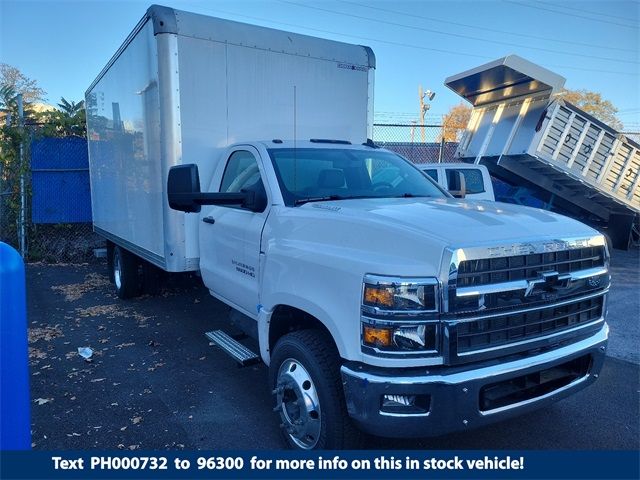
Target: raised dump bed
{"x": 527, "y": 135}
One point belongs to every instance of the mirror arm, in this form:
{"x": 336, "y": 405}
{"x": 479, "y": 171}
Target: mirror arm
{"x": 212, "y": 198}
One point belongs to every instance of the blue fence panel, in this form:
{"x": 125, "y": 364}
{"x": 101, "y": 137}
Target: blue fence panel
{"x": 60, "y": 181}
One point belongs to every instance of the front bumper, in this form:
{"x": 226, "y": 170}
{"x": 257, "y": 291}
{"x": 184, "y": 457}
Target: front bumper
{"x": 456, "y": 396}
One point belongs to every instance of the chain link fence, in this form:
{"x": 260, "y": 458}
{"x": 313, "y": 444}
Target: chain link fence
{"x": 45, "y": 205}
{"x": 45, "y": 202}
{"x": 418, "y": 143}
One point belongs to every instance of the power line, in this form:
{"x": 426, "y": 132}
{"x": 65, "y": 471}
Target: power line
{"x": 493, "y": 30}
{"x": 458, "y": 35}
{"x": 591, "y": 12}
{"x": 360, "y": 37}
{"x": 400, "y": 44}
{"x": 573, "y": 15}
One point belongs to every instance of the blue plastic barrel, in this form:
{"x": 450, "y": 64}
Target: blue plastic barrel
{"x": 15, "y": 428}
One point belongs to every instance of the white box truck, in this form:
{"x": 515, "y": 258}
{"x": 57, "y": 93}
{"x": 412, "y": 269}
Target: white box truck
{"x": 378, "y": 301}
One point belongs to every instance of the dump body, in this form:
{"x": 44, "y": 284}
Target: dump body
{"x": 527, "y": 135}
{"x": 181, "y": 89}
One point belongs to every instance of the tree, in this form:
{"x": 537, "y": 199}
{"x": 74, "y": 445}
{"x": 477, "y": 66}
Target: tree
{"x": 454, "y": 122}
{"x": 594, "y": 104}
{"x": 20, "y": 83}
{"x": 69, "y": 119}
{"x": 70, "y": 108}
{"x": 7, "y": 97}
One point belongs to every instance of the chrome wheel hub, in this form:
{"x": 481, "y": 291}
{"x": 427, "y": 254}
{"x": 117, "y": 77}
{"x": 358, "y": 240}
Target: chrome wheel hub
{"x": 117, "y": 270}
{"x": 298, "y": 403}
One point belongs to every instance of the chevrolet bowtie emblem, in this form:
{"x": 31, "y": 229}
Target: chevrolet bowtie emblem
{"x": 547, "y": 281}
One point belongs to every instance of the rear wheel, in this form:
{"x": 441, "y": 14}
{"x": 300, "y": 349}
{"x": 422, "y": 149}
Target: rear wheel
{"x": 305, "y": 375}
{"x": 110, "y": 247}
{"x": 125, "y": 273}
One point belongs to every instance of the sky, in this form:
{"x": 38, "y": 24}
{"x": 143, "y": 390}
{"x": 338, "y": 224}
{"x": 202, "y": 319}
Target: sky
{"x": 594, "y": 44}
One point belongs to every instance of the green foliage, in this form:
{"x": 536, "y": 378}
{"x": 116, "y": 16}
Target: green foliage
{"x": 69, "y": 119}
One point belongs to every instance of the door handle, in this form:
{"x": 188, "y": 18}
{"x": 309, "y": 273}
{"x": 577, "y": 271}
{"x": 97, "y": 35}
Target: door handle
{"x": 210, "y": 220}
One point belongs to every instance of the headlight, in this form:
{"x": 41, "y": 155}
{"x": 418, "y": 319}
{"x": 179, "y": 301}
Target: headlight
{"x": 391, "y": 294}
{"x": 420, "y": 337}
{"x": 400, "y": 315}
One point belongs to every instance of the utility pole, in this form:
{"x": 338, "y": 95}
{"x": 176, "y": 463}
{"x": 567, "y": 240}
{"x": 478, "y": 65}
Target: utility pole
{"x": 424, "y": 108}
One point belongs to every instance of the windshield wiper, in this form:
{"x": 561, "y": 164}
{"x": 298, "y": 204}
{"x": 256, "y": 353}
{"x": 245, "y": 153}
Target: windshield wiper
{"x": 411, "y": 195}
{"x": 328, "y": 198}
{"x": 301, "y": 201}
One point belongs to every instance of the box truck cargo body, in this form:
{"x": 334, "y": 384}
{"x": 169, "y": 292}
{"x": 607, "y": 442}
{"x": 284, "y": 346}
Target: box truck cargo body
{"x": 185, "y": 86}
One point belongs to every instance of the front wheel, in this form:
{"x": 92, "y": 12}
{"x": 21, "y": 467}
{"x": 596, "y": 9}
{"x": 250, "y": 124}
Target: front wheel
{"x": 305, "y": 375}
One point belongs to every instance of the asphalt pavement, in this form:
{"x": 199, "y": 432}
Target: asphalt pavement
{"x": 154, "y": 381}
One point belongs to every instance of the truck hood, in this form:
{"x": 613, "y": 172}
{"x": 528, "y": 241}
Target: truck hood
{"x": 408, "y": 234}
{"x": 459, "y": 222}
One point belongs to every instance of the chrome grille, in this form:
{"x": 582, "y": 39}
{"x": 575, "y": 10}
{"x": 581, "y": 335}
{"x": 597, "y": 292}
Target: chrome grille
{"x": 509, "y": 299}
{"x": 527, "y": 267}
{"x": 515, "y": 327}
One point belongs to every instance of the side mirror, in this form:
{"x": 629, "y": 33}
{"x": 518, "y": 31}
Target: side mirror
{"x": 256, "y": 200}
{"x": 457, "y": 185}
{"x": 183, "y": 191}
{"x": 183, "y": 186}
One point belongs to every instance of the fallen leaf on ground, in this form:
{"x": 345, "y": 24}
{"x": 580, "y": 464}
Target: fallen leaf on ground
{"x": 35, "y": 353}
{"x": 75, "y": 291}
{"x": 44, "y": 333}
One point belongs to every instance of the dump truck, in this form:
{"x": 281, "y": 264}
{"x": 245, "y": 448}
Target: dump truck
{"x": 378, "y": 302}
{"x": 527, "y": 135}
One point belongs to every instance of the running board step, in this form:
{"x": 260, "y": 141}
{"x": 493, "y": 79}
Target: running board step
{"x": 233, "y": 348}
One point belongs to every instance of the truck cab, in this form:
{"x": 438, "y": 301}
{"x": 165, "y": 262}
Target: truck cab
{"x": 477, "y": 181}
{"x": 380, "y": 303}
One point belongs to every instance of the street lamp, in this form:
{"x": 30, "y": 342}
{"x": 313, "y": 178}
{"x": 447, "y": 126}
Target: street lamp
{"x": 424, "y": 107}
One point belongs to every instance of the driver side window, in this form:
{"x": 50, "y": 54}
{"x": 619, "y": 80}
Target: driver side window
{"x": 243, "y": 175}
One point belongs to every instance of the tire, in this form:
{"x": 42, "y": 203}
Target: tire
{"x": 110, "y": 247}
{"x": 125, "y": 273}
{"x": 305, "y": 363}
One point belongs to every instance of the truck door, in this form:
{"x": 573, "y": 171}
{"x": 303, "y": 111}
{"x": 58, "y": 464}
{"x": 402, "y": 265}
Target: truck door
{"x": 230, "y": 235}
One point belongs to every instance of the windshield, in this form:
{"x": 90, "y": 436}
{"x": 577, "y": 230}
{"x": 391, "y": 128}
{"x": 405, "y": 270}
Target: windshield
{"x": 315, "y": 174}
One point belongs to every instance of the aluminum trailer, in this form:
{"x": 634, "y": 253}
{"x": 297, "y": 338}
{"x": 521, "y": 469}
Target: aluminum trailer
{"x": 526, "y": 134}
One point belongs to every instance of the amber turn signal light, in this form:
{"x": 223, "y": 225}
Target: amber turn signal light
{"x": 374, "y": 295}
{"x": 377, "y": 337}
